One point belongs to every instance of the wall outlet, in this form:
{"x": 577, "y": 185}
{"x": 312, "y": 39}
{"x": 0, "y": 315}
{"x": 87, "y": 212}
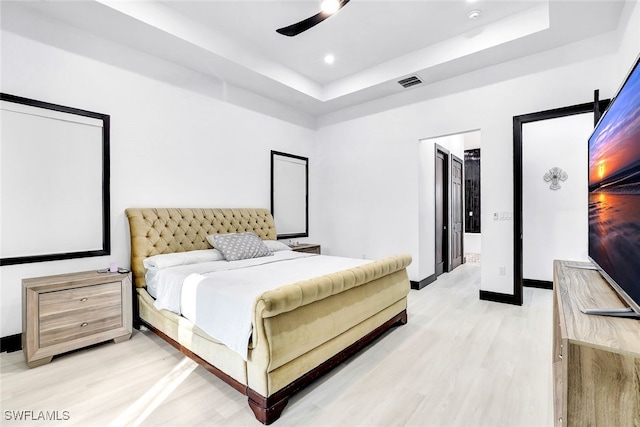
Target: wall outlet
{"x": 502, "y": 216}
{"x": 502, "y": 270}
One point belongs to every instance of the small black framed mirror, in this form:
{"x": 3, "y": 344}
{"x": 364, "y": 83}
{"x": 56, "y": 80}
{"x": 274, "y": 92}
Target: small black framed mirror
{"x": 290, "y": 194}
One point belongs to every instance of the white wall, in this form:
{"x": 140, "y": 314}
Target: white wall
{"x": 362, "y": 212}
{"x": 629, "y": 41}
{"x": 169, "y": 146}
{"x": 370, "y": 170}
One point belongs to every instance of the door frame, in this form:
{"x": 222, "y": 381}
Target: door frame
{"x": 446, "y": 217}
{"x": 597, "y": 107}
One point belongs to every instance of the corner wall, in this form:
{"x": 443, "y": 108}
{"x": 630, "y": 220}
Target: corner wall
{"x": 370, "y": 171}
{"x": 629, "y": 41}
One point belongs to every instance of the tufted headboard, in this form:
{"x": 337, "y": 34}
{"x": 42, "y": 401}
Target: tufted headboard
{"x": 167, "y": 230}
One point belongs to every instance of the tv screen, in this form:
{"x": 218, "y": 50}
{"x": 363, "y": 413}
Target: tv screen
{"x": 614, "y": 191}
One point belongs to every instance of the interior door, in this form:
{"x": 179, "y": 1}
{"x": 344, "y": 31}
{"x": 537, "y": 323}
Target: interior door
{"x": 441, "y": 212}
{"x": 457, "y": 193}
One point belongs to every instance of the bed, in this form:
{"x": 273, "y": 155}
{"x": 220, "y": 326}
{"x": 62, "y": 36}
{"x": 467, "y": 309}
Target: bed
{"x": 299, "y": 330}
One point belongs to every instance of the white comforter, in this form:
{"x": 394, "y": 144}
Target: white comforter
{"x": 219, "y": 296}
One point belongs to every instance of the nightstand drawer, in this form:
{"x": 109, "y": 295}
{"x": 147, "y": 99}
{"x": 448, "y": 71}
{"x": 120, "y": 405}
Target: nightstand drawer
{"x": 67, "y": 326}
{"x": 87, "y": 297}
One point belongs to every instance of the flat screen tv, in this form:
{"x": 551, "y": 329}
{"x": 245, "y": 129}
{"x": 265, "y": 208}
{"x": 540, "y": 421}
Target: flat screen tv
{"x": 614, "y": 194}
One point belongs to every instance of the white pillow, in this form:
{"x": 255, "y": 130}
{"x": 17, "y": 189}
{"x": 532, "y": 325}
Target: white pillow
{"x": 276, "y": 245}
{"x": 182, "y": 258}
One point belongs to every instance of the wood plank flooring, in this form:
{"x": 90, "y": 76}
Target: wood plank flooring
{"x": 458, "y": 362}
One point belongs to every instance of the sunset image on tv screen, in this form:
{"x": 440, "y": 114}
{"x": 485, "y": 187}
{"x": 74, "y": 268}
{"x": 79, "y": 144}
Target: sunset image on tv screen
{"x": 614, "y": 148}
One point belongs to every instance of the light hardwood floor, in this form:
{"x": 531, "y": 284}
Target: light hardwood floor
{"x": 458, "y": 362}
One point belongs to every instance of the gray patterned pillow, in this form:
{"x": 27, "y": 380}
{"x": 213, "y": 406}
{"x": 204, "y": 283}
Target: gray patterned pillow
{"x": 237, "y": 246}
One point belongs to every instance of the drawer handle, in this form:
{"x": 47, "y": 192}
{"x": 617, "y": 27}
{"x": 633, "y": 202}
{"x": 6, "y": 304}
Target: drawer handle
{"x": 560, "y": 356}
{"x": 83, "y": 324}
{"x": 83, "y": 299}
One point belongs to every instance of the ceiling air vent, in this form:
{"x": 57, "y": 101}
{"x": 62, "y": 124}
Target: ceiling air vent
{"x": 410, "y": 81}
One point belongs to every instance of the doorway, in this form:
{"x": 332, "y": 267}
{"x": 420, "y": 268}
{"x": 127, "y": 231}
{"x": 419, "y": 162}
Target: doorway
{"x": 449, "y": 207}
{"x": 441, "y": 205}
{"x": 442, "y": 210}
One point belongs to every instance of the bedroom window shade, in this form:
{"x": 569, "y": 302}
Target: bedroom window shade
{"x": 289, "y": 194}
{"x": 54, "y": 184}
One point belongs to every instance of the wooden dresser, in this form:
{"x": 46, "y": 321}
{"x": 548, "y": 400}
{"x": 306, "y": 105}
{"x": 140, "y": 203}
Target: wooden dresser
{"x": 596, "y": 359}
{"x": 70, "y": 311}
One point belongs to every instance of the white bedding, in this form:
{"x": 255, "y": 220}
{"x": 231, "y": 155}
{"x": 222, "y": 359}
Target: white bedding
{"x": 219, "y": 296}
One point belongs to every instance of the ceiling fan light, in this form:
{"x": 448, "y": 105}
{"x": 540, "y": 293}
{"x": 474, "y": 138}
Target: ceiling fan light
{"x": 474, "y": 14}
{"x": 330, "y": 6}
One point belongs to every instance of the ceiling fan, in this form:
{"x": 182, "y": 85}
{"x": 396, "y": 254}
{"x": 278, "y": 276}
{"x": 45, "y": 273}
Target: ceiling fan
{"x": 328, "y": 8}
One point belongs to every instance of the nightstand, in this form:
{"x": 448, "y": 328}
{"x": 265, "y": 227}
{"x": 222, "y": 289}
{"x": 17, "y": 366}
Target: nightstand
{"x": 70, "y": 311}
{"x": 310, "y": 248}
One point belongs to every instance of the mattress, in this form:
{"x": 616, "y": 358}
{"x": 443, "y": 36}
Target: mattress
{"x": 219, "y": 296}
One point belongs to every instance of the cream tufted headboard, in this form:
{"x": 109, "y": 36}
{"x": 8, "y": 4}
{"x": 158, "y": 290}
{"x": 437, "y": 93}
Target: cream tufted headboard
{"x": 167, "y": 230}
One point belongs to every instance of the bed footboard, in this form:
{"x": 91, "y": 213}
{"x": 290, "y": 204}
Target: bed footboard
{"x": 304, "y": 329}
{"x": 268, "y": 409}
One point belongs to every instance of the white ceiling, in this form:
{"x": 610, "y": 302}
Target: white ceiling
{"x": 362, "y": 35}
{"x": 375, "y": 42}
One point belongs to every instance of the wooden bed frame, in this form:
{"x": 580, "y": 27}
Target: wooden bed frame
{"x": 366, "y": 301}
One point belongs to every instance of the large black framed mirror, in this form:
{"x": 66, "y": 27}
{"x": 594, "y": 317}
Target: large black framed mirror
{"x": 54, "y": 182}
{"x": 290, "y": 194}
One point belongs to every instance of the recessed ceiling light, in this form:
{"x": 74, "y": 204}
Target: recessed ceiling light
{"x": 330, "y": 6}
{"x": 329, "y": 59}
{"x": 474, "y": 14}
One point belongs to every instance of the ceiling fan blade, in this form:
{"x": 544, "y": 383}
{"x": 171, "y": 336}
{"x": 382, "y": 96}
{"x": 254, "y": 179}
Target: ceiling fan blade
{"x": 305, "y": 24}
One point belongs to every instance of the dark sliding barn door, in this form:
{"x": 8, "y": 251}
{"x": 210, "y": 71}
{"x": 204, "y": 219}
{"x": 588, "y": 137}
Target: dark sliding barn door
{"x": 457, "y": 194}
